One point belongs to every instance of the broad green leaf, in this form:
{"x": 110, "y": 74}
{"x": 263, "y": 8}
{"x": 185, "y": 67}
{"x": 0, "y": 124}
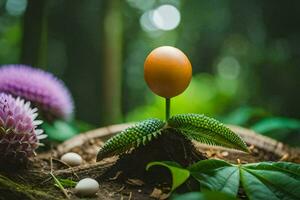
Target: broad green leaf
{"x": 266, "y": 180}
{"x": 254, "y": 188}
{"x": 216, "y": 175}
{"x": 134, "y": 136}
{"x": 272, "y": 124}
{"x": 207, "y": 195}
{"x": 209, "y": 164}
{"x": 281, "y": 185}
{"x": 179, "y": 174}
{"x": 292, "y": 169}
{"x": 59, "y": 130}
{"x": 206, "y": 130}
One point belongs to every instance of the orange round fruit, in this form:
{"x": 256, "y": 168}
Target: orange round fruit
{"x": 167, "y": 71}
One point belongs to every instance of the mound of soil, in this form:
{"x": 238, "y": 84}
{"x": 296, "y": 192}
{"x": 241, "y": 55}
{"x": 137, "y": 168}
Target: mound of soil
{"x": 170, "y": 146}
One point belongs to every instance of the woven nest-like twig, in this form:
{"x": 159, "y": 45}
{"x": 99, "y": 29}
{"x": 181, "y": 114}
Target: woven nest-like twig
{"x": 256, "y": 142}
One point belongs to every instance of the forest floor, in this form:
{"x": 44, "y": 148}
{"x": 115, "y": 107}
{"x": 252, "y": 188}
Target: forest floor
{"x": 36, "y": 180}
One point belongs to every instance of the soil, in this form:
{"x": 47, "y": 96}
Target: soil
{"x": 170, "y": 146}
{"x": 125, "y": 177}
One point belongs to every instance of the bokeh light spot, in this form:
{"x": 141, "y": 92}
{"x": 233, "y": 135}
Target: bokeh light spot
{"x": 146, "y": 22}
{"x": 166, "y": 17}
{"x": 228, "y": 68}
{"x": 16, "y": 7}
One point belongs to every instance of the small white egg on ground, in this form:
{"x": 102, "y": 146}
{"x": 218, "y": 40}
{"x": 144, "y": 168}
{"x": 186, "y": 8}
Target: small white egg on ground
{"x": 87, "y": 187}
{"x": 72, "y": 159}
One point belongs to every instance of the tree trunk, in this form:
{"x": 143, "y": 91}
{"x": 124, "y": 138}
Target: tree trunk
{"x": 80, "y": 41}
{"x": 111, "y": 71}
{"x": 34, "y": 44}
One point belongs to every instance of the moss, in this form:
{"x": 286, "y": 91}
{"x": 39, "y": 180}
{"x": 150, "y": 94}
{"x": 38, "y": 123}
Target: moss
{"x": 12, "y": 190}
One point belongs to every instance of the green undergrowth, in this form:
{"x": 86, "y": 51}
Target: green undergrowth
{"x": 11, "y": 189}
{"x": 264, "y": 180}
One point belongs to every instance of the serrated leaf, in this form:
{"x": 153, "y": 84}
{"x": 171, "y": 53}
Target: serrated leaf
{"x": 134, "y": 136}
{"x": 179, "y": 174}
{"x": 206, "y": 130}
{"x": 206, "y": 195}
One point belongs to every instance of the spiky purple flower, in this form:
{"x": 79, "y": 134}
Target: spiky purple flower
{"x": 19, "y": 136}
{"x": 44, "y": 90}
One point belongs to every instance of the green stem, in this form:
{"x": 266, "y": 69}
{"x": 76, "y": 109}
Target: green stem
{"x": 59, "y": 185}
{"x": 168, "y": 105}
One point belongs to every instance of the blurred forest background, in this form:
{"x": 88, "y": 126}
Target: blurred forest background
{"x": 245, "y": 56}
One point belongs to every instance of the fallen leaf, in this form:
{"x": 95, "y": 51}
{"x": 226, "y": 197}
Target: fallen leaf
{"x": 159, "y": 194}
{"x": 135, "y": 182}
{"x": 116, "y": 176}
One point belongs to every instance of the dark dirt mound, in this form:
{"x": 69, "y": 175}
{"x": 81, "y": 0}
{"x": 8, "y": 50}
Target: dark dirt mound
{"x": 170, "y": 146}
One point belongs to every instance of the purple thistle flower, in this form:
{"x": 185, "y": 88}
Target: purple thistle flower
{"x": 45, "y": 91}
{"x": 18, "y": 134}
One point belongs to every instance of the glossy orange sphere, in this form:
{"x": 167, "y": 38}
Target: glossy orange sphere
{"x": 167, "y": 71}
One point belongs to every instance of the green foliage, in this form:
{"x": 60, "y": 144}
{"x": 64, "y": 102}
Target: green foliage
{"x": 206, "y": 195}
{"x": 268, "y": 125}
{"x": 221, "y": 177}
{"x": 245, "y": 116}
{"x": 141, "y": 133}
{"x": 82, "y": 126}
{"x": 25, "y": 191}
{"x": 280, "y": 128}
{"x": 68, "y": 183}
{"x": 193, "y": 126}
{"x": 10, "y": 40}
{"x": 59, "y": 130}
{"x": 179, "y": 175}
{"x": 283, "y": 129}
{"x": 58, "y": 184}
{"x": 206, "y": 130}
{"x": 265, "y": 180}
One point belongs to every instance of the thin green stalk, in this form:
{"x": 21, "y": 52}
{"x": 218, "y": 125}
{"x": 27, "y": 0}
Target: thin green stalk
{"x": 168, "y": 105}
{"x": 59, "y": 185}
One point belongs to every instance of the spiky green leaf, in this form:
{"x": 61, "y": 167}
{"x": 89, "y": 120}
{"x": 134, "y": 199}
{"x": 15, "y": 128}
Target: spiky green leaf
{"x": 134, "y": 136}
{"x": 206, "y": 130}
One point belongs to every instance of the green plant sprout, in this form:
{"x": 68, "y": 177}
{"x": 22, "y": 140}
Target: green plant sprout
{"x": 168, "y": 72}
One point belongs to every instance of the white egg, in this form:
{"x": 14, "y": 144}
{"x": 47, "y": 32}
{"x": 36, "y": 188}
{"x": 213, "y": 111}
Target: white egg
{"x": 87, "y": 187}
{"x": 72, "y": 159}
